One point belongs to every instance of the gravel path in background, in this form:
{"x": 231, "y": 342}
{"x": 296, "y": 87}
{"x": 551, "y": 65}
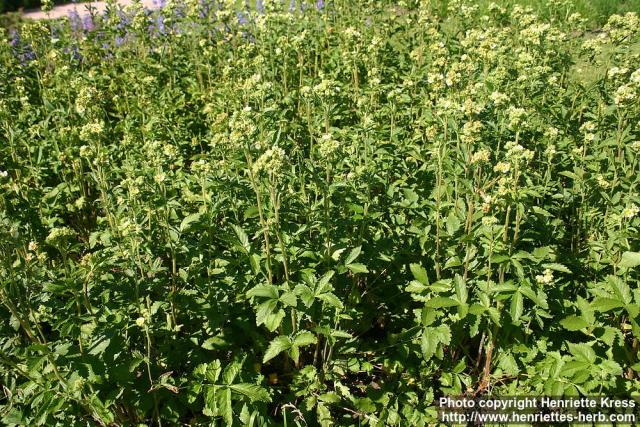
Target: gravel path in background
{"x": 64, "y": 10}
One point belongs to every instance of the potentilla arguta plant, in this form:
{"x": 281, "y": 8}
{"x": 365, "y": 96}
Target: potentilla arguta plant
{"x": 315, "y": 213}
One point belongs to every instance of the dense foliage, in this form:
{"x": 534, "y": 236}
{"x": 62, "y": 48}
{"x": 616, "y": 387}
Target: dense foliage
{"x": 316, "y": 213}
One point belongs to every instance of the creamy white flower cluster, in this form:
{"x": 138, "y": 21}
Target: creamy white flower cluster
{"x": 270, "y": 162}
{"x": 545, "y": 278}
{"x": 86, "y": 99}
{"x": 242, "y": 127}
{"x": 327, "y": 146}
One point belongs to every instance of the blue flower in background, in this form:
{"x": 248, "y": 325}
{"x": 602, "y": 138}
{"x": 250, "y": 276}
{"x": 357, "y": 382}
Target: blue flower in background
{"x": 24, "y": 53}
{"x": 75, "y": 53}
{"x": 75, "y": 21}
{"x": 292, "y": 6}
{"x": 158, "y": 26}
{"x": 15, "y": 38}
{"x": 87, "y": 22}
{"x": 242, "y": 19}
{"x": 205, "y": 8}
{"x": 320, "y": 4}
{"x": 27, "y": 56}
{"x": 124, "y": 18}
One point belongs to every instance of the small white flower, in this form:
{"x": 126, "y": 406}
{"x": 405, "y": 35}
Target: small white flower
{"x": 615, "y": 71}
{"x": 270, "y": 161}
{"x": 160, "y": 177}
{"x": 502, "y": 167}
{"x": 91, "y": 130}
{"x": 545, "y": 278}
{"x": 630, "y": 211}
{"x": 550, "y": 151}
{"x": 489, "y": 220}
{"x": 327, "y": 146}
{"x": 602, "y": 182}
{"x": 588, "y": 127}
{"x": 480, "y": 156}
{"x": 499, "y": 98}
{"x": 85, "y": 151}
{"x": 551, "y": 132}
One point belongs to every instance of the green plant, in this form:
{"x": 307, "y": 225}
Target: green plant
{"x": 325, "y": 215}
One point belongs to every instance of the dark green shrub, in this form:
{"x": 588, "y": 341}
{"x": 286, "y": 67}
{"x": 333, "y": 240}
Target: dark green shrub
{"x": 14, "y": 5}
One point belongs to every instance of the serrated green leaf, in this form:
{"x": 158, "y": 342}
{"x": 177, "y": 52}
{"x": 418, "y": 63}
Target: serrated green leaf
{"x": 557, "y": 267}
{"x": 355, "y": 252}
{"x": 304, "y": 338}
{"x": 231, "y": 371}
{"x": 276, "y": 346}
{"x": 214, "y": 343}
{"x": 461, "y": 289}
{"x": 331, "y": 299}
{"x": 224, "y": 405}
{"x": 452, "y": 223}
{"x": 357, "y": 268}
{"x": 323, "y": 283}
{"x": 266, "y": 291}
{"x": 330, "y": 397}
{"x": 273, "y": 320}
{"x": 305, "y": 293}
{"x": 630, "y": 259}
{"x": 574, "y": 323}
{"x": 606, "y": 304}
{"x": 323, "y": 415}
{"x": 264, "y": 310}
{"x": 440, "y": 302}
{"x": 432, "y": 337}
{"x": 620, "y": 288}
{"x": 288, "y": 299}
{"x": 582, "y": 352}
{"x": 517, "y": 306}
{"x": 254, "y": 392}
{"x": 415, "y": 287}
{"x": 213, "y": 371}
{"x": 242, "y": 238}
{"x": 188, "y": 220}
{"x": 419, "y": 273}
{"x": 100, "y": 346}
